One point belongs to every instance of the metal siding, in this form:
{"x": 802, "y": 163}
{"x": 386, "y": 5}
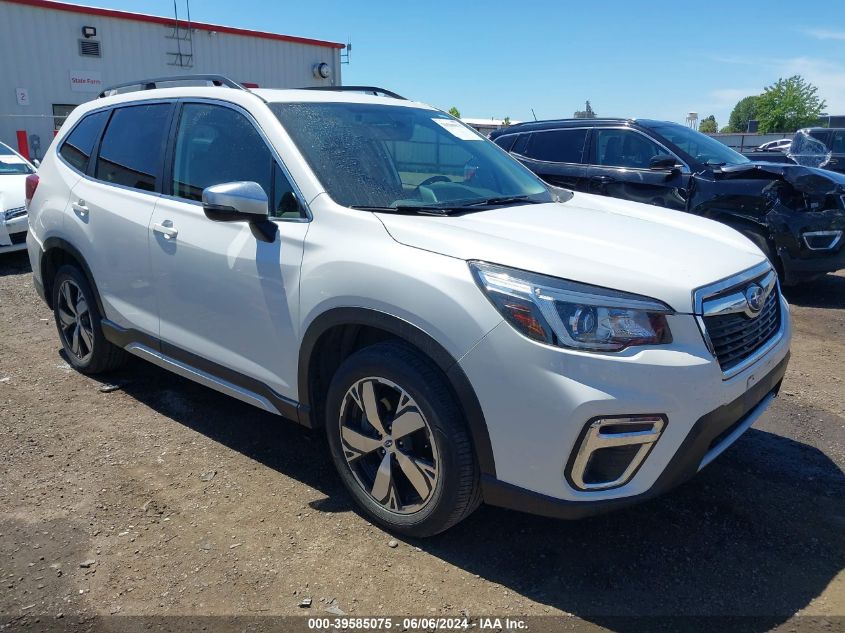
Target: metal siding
{"x": 38, "y": 48}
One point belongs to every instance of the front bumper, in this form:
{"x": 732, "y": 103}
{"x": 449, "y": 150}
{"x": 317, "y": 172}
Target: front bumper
{"x": 13, "y": 234}
{"x": 709, "y": 437}
{"x": 818, "y": 264}
{"x": 537, "y": 400}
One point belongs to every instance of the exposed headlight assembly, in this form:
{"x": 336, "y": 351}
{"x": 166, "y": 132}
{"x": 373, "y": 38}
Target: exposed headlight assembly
{"x": 17, "y": 212}
{"x": 569, "y": 314}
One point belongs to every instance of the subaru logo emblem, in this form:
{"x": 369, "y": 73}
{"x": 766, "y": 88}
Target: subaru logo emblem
{"x": 754, "y": 298}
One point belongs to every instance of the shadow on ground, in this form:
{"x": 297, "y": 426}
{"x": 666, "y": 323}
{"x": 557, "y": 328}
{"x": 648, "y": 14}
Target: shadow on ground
{"x": 14, "y": 263}
{"x": 825, "y": 292}
{"x": 758, "y": 533}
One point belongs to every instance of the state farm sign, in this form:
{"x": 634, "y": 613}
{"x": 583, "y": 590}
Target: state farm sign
{"x": 86, "y": 81}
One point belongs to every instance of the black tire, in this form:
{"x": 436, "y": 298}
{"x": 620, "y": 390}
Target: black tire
{"x": 102, "y": 356}
{"x": 456, "y": 492}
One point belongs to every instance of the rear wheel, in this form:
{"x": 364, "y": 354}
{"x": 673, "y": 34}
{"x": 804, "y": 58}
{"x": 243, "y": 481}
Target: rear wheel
{"x": 399, "y": 441}
{"x": 78, "y": 323}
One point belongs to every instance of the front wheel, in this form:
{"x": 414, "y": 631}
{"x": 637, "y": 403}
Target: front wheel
{"x": 399, "y": 441}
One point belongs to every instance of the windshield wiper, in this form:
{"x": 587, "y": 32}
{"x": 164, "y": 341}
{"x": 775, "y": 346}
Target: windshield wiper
{"x": 500, "y": 201}
{"x": 407, "y": 208}
{"x": 431, "y": 209}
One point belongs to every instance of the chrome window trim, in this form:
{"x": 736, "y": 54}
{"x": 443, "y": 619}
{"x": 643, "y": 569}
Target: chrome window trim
{"x": 829, "y": 247}
{"x": 700, "y": 296}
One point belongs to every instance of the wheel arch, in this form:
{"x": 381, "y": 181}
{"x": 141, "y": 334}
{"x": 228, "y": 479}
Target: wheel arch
{"x": 58, "y": 252}
{"x": 338, "y": 332}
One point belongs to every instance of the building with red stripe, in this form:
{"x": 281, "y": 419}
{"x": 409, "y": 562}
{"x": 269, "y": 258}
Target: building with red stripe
{"x": 56, "y": 55}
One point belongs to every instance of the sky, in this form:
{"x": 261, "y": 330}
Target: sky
{"x": 494, "y": 59}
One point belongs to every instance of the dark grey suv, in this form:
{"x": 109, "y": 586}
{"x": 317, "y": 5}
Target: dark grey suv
{"x": 795, "y": 214}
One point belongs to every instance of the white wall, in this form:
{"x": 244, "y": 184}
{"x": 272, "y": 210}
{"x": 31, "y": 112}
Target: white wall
{"x": 39, "y": 47}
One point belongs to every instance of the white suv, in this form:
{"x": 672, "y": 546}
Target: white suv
{"x": 370, "y": 265}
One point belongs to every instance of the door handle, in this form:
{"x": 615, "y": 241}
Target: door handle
{"x": 166, "y": 229}
{"x": 602, "y": 180}
{"x": 80, "y": 208}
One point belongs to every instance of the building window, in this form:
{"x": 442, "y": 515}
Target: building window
{"x": 61, "y": 111}
{"x": 89, "y": 48}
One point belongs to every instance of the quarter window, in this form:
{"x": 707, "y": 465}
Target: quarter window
{"x": 506, "y": 141}
{"x": 132, "y": 147}
{"x": 557, "y": 146}
{"x": 624, "y": 148}
{"x": 520, "y": 144}
{"x": 79, "y": 144}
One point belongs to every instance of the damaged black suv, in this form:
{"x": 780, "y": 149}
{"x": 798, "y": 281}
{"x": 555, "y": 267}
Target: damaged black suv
{"x": 794, "y": 213}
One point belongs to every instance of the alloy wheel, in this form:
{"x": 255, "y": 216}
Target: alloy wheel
{"x": 75, "y": 321}
{"x": 388, "y": 445}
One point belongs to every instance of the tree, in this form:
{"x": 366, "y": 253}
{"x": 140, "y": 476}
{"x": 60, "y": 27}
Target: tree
{"x": 586, "y": 113}
{"x": 708, "y": 125}
{"x": 455, "y": 112}
{"x": 506, "y": 121}
{"x": 743, "y": 112}
{"x": 725, "y": 130}
{"x": 789, "y": 104}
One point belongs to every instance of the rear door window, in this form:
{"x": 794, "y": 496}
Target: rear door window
{"x": 133, "y": 146}
{"x": 557, "y": 146}
{"x": 77, "y": 148}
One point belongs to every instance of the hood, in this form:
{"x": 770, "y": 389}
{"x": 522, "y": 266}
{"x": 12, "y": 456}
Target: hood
{"x": 12, "y": 191}
{"x": 810, "y": 180}
{"x": 603, "y": 241}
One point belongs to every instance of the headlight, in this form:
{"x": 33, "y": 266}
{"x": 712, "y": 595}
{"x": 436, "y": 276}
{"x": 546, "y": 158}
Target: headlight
{"x": 570, "y": 314}
{"x": 17, "y": 212}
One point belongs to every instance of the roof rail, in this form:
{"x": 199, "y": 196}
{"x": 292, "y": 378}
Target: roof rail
{"x": 370, "y": 90}
{"x": 151, "y": 84}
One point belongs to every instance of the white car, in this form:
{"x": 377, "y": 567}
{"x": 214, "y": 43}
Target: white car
{"x": 14, "y": 169}
{"x": 461, "y": 334}
{"x": 780, "y": 145}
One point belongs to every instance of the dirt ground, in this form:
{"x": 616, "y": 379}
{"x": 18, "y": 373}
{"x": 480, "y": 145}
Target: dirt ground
{"x": 165, "y": 498}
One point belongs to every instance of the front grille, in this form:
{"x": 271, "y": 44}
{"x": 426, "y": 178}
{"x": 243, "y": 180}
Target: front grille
{"x": 18, "y": 238}
{"x": 736, "y": 336}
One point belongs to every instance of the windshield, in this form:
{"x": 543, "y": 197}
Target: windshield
{"x": 701, "y": 147}
{"x": 11, "y": 163}
{"x": 380, "y": 156}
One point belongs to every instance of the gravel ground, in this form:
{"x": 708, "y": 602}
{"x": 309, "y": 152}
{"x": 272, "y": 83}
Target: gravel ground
{"x": 162, "y": 497}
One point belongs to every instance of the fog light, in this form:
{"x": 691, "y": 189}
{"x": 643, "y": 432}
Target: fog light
{"x": 612, "y": 449}
{"x": 822, "y": 240}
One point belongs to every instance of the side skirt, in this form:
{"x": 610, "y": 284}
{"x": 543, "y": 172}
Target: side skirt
{"x": 205, "y": 372}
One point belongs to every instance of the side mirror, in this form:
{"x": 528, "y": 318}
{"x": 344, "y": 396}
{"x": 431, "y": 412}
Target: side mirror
{"x": 663, "y": 162}
{"x": 36, "y": 162}
{"x": 242, "y": 201}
